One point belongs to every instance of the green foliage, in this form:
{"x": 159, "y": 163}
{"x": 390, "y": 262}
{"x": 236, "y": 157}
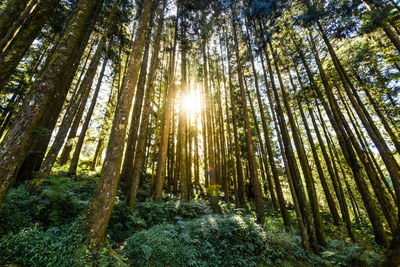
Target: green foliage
{"x": 33, "y": 247}
{"x": 339, "y": 252}
{"x": 58, "y": 201}
{"x": 39, "y": 228}
{"x": 125, "y": 221}
{"x": 54, "y": 247}
{"x": 213, "y": 240}
{"x": 18, "y": 210}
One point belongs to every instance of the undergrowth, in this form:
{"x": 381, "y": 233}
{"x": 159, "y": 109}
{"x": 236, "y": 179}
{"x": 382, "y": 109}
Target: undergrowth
{"x": 39, "y": 228}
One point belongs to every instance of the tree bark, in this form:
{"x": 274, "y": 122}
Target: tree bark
{"x": 11, "y": 55}
{"x": 249, "y": 141}
{"x": 166, "y": 120}
{"x": 292, "y": 163}
{"x": 345, "y": 141}
{"x": 15, "y": 145}
{"x": 80, "y": 97}
{"x": 75, "y": 158}
{"x": 127, "y": 165}
{"x": 10, "y": 14}
{"x": 100, "y": 207}
{"x": 241, "y": 199}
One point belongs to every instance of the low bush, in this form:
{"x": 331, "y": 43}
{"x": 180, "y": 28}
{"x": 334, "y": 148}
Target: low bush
{"x": 213, "y": 240}
{"x": 18, "y": 210}
{"x": 58, "y": 201}
{"x": 125, "y": 221}
{"x": 234, "y": 240}
{"x": 34, "y": 247}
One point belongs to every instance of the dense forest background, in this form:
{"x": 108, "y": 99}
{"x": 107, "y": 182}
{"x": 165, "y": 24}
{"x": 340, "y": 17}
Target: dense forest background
{"x": 199, "y": 133}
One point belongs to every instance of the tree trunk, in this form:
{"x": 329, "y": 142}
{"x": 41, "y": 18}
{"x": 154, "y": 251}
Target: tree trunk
{"x": 105, "y": 127}
{"x": 11, "y": 55}
{"x": 334, "y": 177}
{"x": 346, "y": 144}
{"x": 52, "y": 85}
{"x": 328, "y": 195}
{"x": 249, "y": 141}
{"x": 166, "y": 121}
{"x": 100, "y": 207}
{"x": 75, "y": 158}
{"x": 80, "y": 97}
{"x": 10, "y": 14}
{"x": 292, "y": 163}
{"x": 127, "y": 165}
{"x": 64, "y": 157}
{"x": 144, "y": 126}
{"x": 278, "y": 188}
{"x": 241, "y": 201}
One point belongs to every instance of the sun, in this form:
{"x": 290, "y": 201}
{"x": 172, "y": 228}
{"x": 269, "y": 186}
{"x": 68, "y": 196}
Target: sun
{"x": 192, "y": 103}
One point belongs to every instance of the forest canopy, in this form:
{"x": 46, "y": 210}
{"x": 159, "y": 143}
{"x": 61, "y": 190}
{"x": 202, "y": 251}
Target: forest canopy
{"x": 199, "y": 132}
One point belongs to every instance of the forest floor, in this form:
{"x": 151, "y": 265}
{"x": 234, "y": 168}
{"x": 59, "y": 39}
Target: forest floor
{"x": 41, "y": 228}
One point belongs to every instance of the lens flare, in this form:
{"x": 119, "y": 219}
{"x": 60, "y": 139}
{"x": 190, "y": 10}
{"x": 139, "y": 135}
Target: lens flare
{"x": 192, "y": 103}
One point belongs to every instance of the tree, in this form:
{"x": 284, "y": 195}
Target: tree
{"x": 100, "y": 207}
{"x": 16, "y": 144}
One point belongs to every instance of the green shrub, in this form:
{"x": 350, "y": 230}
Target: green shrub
{"x": 33, "y": 247}
{"x": 158, "y": 246}
{"x": 60, "y": 204}
{"x": 58, "y": 201}
{"x": 213, "y": 240}
{"x": 125, "y": 221}
{"x": 18, "y": 210}
{"x": 171, "y": 211}
{"x": 344, "y": 253}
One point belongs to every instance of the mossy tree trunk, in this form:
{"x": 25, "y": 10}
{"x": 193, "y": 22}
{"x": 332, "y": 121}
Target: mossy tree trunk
{"x": 100, "y": 207}
{"x": 52, "y": 85}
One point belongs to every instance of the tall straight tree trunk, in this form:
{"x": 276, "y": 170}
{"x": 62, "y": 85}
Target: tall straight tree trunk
{"x": 377, "y": 187}
{"x": 127, "y": 165}
{"x": 231, "y": 161}
{"x": 64, "y": 157}
{"x": 241, "y": 201}
{"x": 196, "y": 154}
{"x": 100, "y": 207}
{"x": 172, "y": 185}
{"x": 80, "y": 97}
{"x": 105, "y": 128}
{"x": 312, "y": 195}
{"x": 213, "y": 188}
{"x": 75, "y": 158}
{"x": 263, "y": 160}
{"x": 181, "y": 149}
{"x": 15, "y": 145}
{"x": 378, "y": 112}
{"x": 387, "y": 156}
{"x": 43, "y": 131}
{"x": 328, "y": 195}
{"x": 281, "y": 199}
{"x": 11, "y": 55}
{"x": 204, "y": 134}
{"x": 222, "y": 140}
{"x": 144, "y": 126}
{"x": 166, "y": 120}
{"x": 333, "y": 176}
{"x": 10, "y": 14}
{"x": 292, "y": 164}
{"x": 249, "y": 141}
{"x": 346, "y": 142}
